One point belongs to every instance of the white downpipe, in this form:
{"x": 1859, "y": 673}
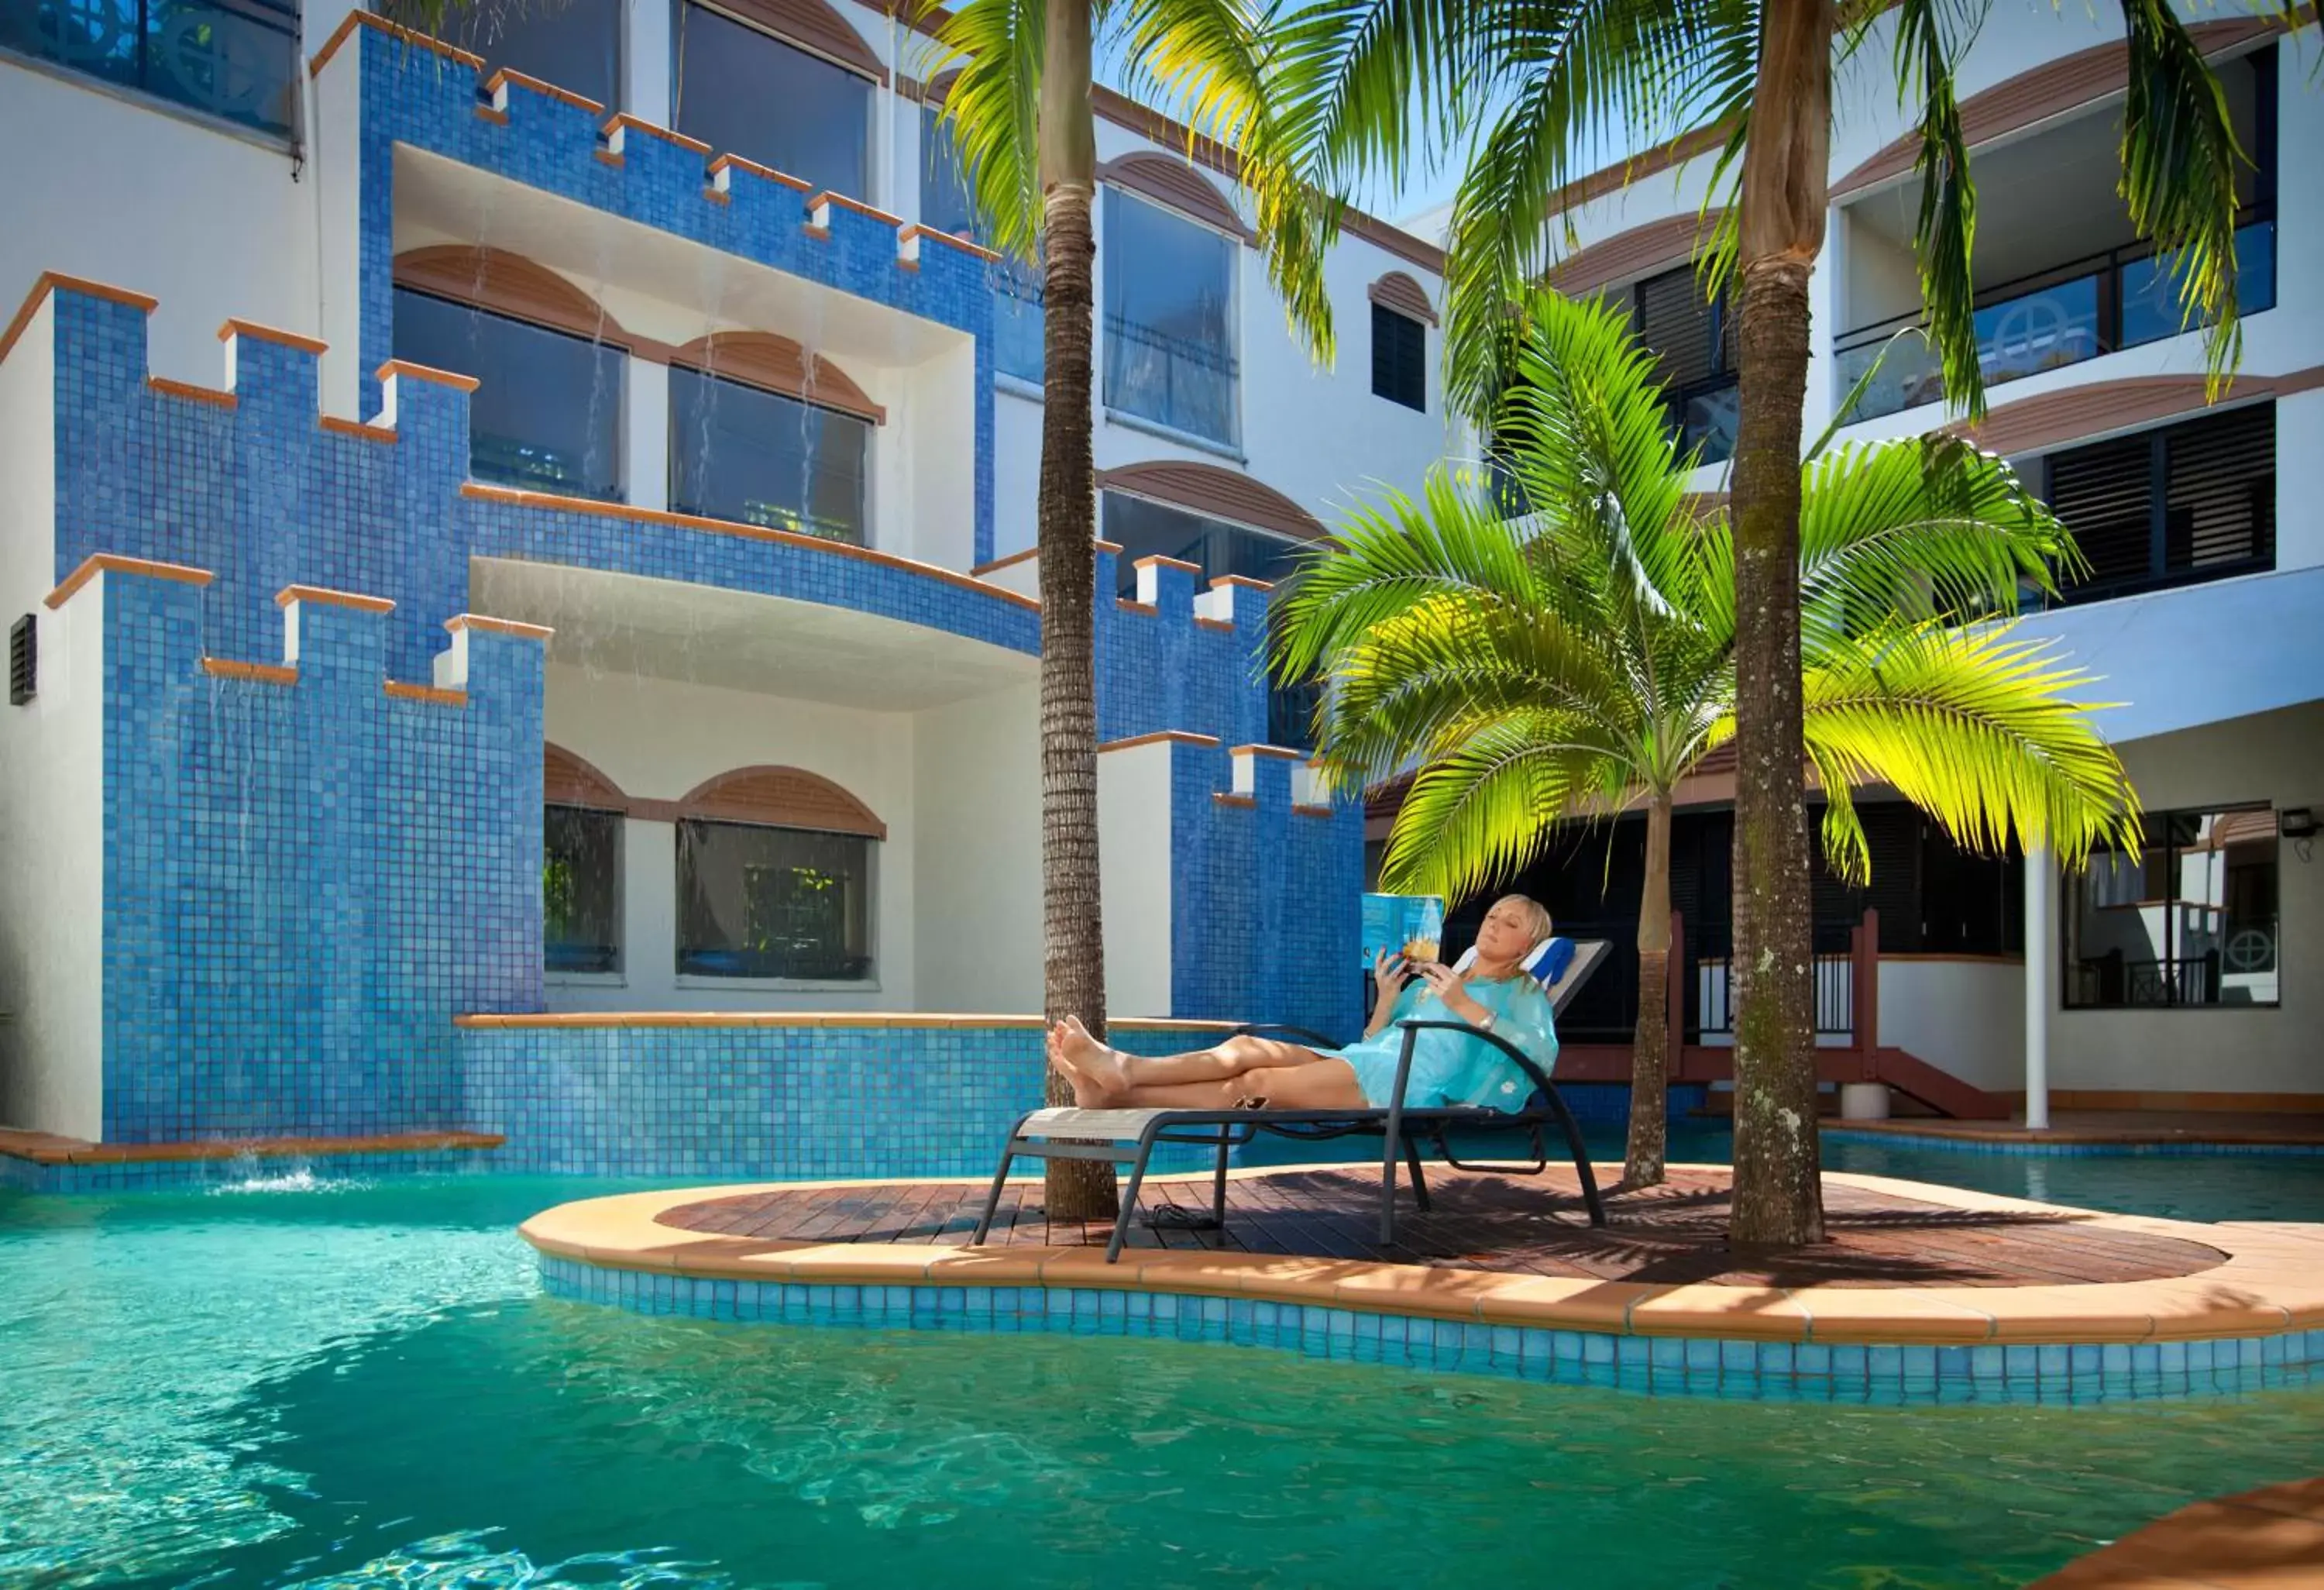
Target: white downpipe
{"x": 2040, "y": 966}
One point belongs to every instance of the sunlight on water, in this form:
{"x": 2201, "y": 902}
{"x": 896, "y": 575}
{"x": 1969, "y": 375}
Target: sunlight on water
{"x": 363, "y": 1386}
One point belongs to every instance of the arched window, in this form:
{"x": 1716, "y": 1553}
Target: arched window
{"x": 776, "y": 878}
{"x": 581, "y": 867}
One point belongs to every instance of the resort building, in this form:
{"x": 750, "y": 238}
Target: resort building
{"x": 2191, "y": 976}
{"x": 542, "y": 522}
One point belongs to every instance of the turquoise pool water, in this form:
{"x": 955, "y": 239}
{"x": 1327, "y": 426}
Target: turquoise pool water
{"x": 296, "y": 1382}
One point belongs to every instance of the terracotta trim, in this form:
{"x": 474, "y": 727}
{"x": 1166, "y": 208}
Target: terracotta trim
{"x": 1226, "y": 626}
{"x": 165, "y": 387}
{"x": 97, "y": 563}
{"x": 813, "y": 26}
{"x": 2078, "y": 414}
{"x": 45, "y": 1148}
{"x": 49, "y": 280}
{"x": 497, "y": 626}
{"x": 726, "y": 162}
{"x": 423, "y": 373}
{"x": 1304, "y": 810}
{"x": 1398, "y": 291}
{"x": 1245, "y": 802}
{"x": 505, "y": 283}
{"x": 354, "y": 19}
{"x": 569, "y": 779}
{"x": 323, "y": 596}
{"x": 1146, "y": 608}
{"x": 776, "y": 364}
{"x": 1159, "y": 737}
{"x": 498, "y": 118}
{"x": 1646, "y": 163}
{"x": 607, "y": 157}
{"x": 2045, "y": 92}
{"x": 357, "y": 430}
{"x": 621, "y": 121}
{"x": 1009, "y": 562}
{"x": 256, "y": 674}
{"x": 510, "y": 77}
{"x": 1642, "y": 251}
{"x": 398, "y": 690}
{"x": 828, "y": 196}
{"x": 975, "y": 250}
{"x": 820, "y": 234}
{"x": 1214, "y": 492}
{"x": 1156, "y": 560}
{"x": 1103, "y": 545}
{"x": 1285, "y": 752}
{"x": 1176, "y": 186}
{"x": 780, "y": 797}
{"x": 499, "y": 493}
{"x": 258, "y": 333}
{"x": 1244, "y": 581}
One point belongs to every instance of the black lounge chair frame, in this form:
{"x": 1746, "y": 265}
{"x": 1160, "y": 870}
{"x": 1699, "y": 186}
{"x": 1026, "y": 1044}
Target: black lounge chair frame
{"x": 1401, "y": 1128}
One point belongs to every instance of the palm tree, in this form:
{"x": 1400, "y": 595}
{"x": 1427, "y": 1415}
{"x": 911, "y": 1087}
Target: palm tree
{"x": 1019, "y": 113}
{"x": 1581, "y": 663}
{"x": 1364, "y": 88}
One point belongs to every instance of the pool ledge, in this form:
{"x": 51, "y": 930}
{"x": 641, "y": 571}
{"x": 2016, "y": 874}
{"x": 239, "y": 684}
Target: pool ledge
{"x": 2261, "y": 1308}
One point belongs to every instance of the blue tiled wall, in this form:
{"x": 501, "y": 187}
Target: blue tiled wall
{"x": 304, "y": 884}
{"x": 426, "y": 101}
{"x": 771, "y": 1102}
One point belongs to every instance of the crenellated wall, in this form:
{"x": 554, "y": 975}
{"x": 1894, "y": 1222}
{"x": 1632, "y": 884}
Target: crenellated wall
{"x": 308, "y": 867}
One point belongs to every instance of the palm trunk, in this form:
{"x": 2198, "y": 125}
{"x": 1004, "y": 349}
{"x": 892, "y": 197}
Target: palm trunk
{"x": 1073, "y": 959}
{"x": 1644, "y": 1159}
{"x": 1786, "y": 176}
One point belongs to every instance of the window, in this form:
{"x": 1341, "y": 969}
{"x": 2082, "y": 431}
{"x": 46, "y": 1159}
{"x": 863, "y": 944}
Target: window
{"x": 23, "y": 660}
{"x": 1019, "y": 326}
{"x": 1692, "y": 341}
{"x": 1144, "y": 528}
{"x": 580, "y": 890}
{"x": 2170, "y": 506}
{"x": 773, "y": 902}
{"x": 1170, "y": 319}
{"x": 945, "y": 202}
{"x": 758, "y": 458}
{"x": 2190, "y": 922}
{"x": 1399, "y": 358}
{"x": 744, "y": 92}
{"x": 236, "y": 59}
{"x": 547, "y": 416}
{"x": 574, "y": 44}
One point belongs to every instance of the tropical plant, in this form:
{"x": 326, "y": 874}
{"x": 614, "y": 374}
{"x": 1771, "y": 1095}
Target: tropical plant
{"x": 1361, "y": 88}
{"x": 1578, "y": 663}
{"x": 1020, "y": 115}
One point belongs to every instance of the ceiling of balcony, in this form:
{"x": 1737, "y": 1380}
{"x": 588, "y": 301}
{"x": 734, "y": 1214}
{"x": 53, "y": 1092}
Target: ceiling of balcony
{"x": 656, "y": 284}
{"x": 619, "y": 626}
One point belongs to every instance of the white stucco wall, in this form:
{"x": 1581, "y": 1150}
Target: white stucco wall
{"x": 1133, "y": 820}
{"x": 978, "y": 804}
{"x": 2277, "y": 757}
{"x": 1965, "y": 1015}
{"x": 210, "y": 223}
{"x": 659, "y": 739}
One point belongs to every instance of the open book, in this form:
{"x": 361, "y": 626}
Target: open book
{"x": 1407, "y": 925}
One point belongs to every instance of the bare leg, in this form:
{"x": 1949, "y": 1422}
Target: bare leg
{"x": 1321, "y": 1084}
{"x": 1109, "y": 1071}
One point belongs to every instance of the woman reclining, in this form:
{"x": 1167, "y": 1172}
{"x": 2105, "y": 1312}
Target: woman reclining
{"x": 1448, "y": 1068}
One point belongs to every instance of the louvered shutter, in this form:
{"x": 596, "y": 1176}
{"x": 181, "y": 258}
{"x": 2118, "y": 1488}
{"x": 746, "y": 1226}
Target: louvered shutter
{"x": 2106, "y": 495}
{"x": 2220, "y": 502}
{"x": 1399, "y": 358}
{"x": 1676, "y": 322}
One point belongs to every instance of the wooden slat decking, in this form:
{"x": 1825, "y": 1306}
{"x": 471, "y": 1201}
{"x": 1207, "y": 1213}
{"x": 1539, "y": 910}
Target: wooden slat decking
{"x": 1672, "y": 1234}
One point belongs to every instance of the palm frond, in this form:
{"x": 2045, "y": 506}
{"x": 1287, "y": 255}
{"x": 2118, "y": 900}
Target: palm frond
{"x": 1980, "y": 730}
{"x": 992, "y": 112}
{"x": 1931, "y": 38}
{"x": 1484, "y": 811}
{"x": 2179, "y": 161}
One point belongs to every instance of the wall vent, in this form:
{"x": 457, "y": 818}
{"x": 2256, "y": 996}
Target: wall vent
{"x": 23, "y": 660}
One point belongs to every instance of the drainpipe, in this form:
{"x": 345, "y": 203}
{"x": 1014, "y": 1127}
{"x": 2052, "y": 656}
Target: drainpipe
{"x": 2041, "y": 963}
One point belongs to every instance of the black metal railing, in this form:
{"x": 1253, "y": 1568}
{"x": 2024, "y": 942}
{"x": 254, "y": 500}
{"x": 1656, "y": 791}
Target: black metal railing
{"x": 233, "y": 59}
{"x": 2071, "y": 312}
{"x": 1179, "y": 382}
{"x": 1708, "y": 989}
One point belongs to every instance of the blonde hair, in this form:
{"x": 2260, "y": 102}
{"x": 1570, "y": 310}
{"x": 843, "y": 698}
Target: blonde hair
{"x": 1536, "y": 913}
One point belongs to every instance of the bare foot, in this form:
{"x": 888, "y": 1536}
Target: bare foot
{"x": 1087, "y": 1093}
{"x": 1086, "y": 1056}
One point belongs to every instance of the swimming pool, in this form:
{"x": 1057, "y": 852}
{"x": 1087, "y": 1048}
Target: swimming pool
{"x": 298, "y": 1382}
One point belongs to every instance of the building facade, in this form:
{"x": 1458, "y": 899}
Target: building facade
{"x": 536, "y": 527}
{"x": 2193, "y": 974}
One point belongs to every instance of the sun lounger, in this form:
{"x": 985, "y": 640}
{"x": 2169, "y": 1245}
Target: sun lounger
{"x": 1130, "y": 1136}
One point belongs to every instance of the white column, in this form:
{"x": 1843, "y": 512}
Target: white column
{"x": 645, "y": 435}
{"x": 645, "y": 60}
{"x": 2041, "y": 964}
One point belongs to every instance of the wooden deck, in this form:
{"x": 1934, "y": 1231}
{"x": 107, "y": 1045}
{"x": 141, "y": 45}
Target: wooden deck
{"x": 1672, "y": 1234}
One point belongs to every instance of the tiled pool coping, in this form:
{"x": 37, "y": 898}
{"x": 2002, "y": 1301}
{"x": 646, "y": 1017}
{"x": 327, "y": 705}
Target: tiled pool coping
{"x": 2255, "y": 1319}
{"x": 2091, "y": 1146}
{"x": 31, "y": 1161}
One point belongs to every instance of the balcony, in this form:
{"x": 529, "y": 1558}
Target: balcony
{"x": 2097, "y": 305}
{"x": 234, "y": 60}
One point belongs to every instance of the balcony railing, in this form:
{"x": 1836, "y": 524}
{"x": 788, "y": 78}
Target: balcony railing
{"x": 233, "y": 59}
{"x": 2062, "y": 316}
